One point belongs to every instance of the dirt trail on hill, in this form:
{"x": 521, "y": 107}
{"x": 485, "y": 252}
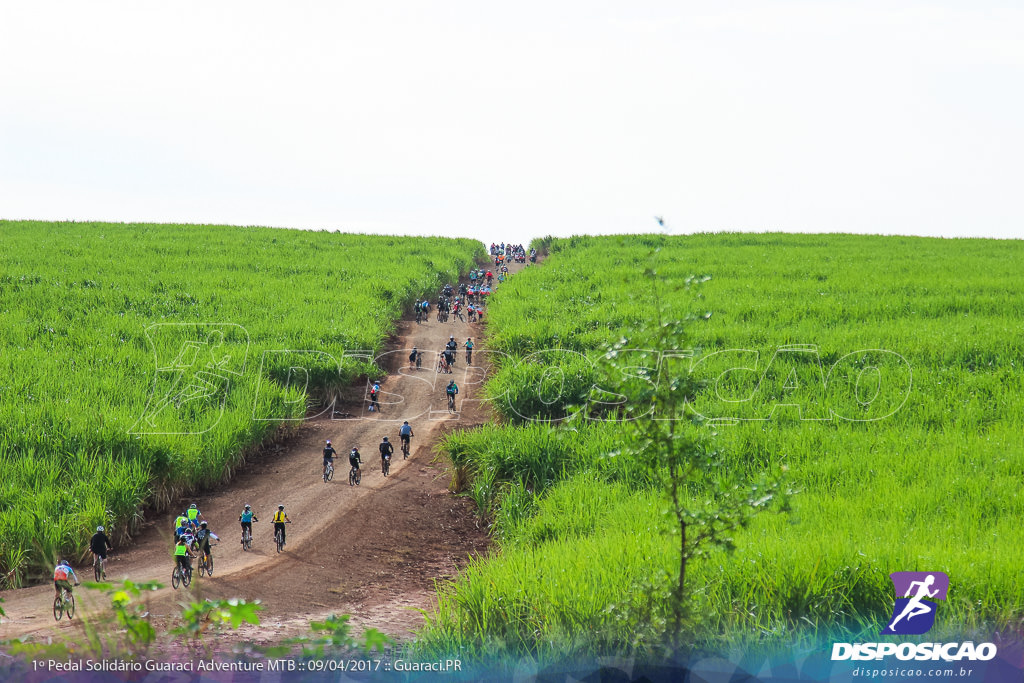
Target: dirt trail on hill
{"x": 373, "y": 551}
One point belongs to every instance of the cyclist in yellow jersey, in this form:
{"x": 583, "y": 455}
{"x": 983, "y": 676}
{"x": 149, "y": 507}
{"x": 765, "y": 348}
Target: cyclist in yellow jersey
{"x": 194, "y": 516}
{"x": 280, "y": 518}
{"x": 182, "y": 555}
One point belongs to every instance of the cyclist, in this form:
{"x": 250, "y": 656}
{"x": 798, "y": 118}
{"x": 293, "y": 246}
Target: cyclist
{"x": 62, "y": 574}
{"x": 193, "y": 514}
{"x": 452, "y": 390}
{"x": 442, "y": 363}
{"x": 469, "y": 350}
{"x": 386, "y": 450}
{"x": 181, "y": 530}
{"x": 182, "y": 555}
{"x": 405, "y": 433}
{"x": 99, "y": 544}
{"x": 354, "y": 458}
{"x": 374, "y": 395}
{"x": 450, "y": 348}
{"x": 279, "y": 521}
{"x": 179, "y": 522}
{"x": 329, "y": 454}
{"x": 412, "y": 357}
{"x": 247, "y": 518}
{"x": 203, "y": 536}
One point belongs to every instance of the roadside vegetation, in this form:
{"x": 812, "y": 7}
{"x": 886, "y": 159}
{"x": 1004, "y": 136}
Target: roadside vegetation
{"x": 140, "y": 361}
{"x": 883, "y": 373}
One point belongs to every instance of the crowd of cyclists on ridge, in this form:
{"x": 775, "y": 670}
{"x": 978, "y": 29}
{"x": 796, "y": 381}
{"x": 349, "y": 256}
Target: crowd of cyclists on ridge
{"x": 192, "y": 534}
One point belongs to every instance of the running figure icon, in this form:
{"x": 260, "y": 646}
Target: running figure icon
{"x": 913, "y": 612}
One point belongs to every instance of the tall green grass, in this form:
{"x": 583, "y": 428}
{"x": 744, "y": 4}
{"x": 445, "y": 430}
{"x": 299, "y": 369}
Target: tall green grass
{"x": 931, "y": 486}
{"x": 90, "y": 311}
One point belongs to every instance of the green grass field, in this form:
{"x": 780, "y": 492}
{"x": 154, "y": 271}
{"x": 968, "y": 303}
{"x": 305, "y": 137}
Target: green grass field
{"x": 881, "y": 371}
{"x": 102, "y": 324}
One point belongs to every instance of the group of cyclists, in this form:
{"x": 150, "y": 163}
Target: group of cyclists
{"x": 192, "y": 534}
{"x": 63, "y": 573}
{"x": 516, "y": 253}
{"x": 385, "y": 447}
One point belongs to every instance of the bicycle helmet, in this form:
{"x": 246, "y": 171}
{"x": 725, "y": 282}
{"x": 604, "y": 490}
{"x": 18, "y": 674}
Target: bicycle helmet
{"x": 99, "y": 529}
{"x": 202, "y": 524}
{"x": 192, "y": 506}
{"x": 65, "y": 563}
{"x": 280, "y": 507}
{"x": 247, "y": 506}
{"x": 328, "y": 442}
{"x": 406, "y": 422}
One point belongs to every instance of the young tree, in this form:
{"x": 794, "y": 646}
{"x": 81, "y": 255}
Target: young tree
{"x": 674, "y": 450}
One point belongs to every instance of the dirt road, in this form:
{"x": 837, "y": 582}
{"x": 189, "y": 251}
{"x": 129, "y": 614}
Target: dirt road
{"x": 372, "y": 551}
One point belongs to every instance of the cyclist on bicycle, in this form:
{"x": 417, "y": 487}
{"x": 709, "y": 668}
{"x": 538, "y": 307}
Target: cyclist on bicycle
{"x": 193, "y": 515}
{"x": 247, "y": 518}
{"x": 404, "y": 433}
{"x": 469, "y": 350}
{"x": 452, "y": 390}
{"x": 354, "y": 459}
{"x": 203, "y": 536}
{"x": 99, "y": 544}
{"x": 374, "y": 397}
{"x": 183, "y": 555}
{"x": 61, "y": 575}
{"x": 279, "y": 521}
{"x": 179, "y": 522}
{"x": 386, "y": 450}
{"x": 329, "y": 454}
{"x": 182, "y": 529}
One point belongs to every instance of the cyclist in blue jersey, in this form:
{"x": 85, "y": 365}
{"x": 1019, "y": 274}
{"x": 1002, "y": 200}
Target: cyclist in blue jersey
{"x": 247, "y": 518}
{"x": 405, "y": 433}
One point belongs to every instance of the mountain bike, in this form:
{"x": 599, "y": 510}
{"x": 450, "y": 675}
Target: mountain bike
{"x": 98, "y": 570}
{"x": 355, "y": 475}
{"x": 385, "y": 465}
{"x": 329, "y": 472}
{"x": 205, "y": 564}
{"x": 181, "y": 576}
{"x": 64, "y": 604}
{"x": 246, "y": 540}
{"x": 279, "y": 538}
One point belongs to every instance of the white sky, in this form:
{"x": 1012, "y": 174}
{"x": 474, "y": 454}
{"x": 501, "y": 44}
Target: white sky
{"x": 513, "y": 120}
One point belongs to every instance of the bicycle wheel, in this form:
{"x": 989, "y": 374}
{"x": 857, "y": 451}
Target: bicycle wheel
{"x": 97, "y": 570}
{"x": 386, "y": 466}
{"x": 279, "y": 539}
{"x": 175, "y": 578}
{"x": 405, "y": 450}
{"x": 58, "y": 608}
{"x": 359, "y": 476}
{"x": 352, "y": 477}
{"x": 209, "y": 565}
{"x": 451, "y": 404}
{"x": 202, "y": 567}
{"x": 69, "y": 606}
{"x": 186, "y": 577}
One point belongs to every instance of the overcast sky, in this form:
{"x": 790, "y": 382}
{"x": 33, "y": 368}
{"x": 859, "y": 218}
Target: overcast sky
{"x": 513, "y": 120}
